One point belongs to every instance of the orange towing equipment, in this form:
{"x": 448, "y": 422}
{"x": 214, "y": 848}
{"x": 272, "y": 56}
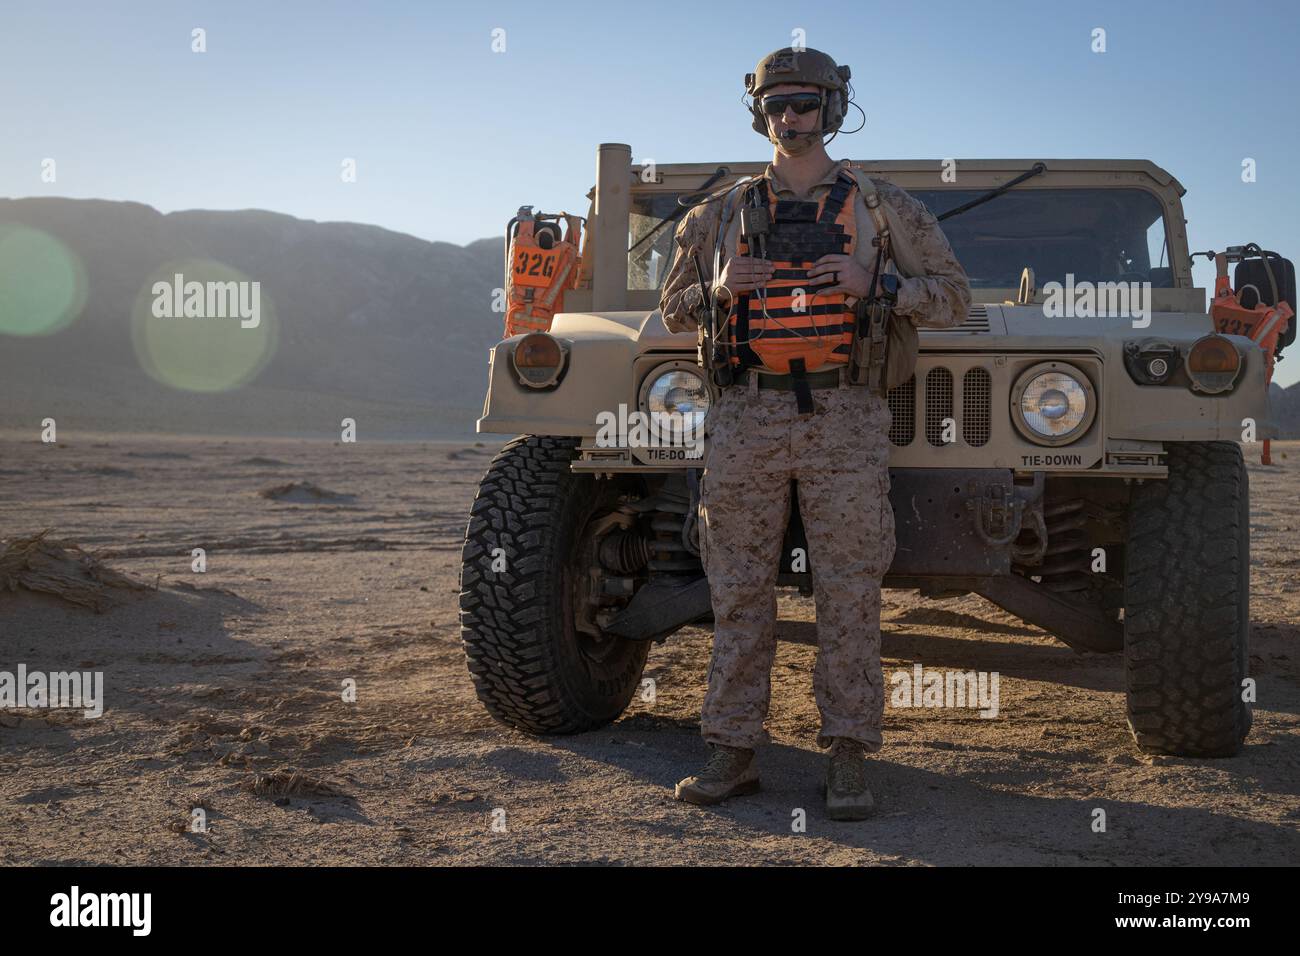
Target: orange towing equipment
{"x": 1263, "y": 323}
{"x": 541, "y": 265}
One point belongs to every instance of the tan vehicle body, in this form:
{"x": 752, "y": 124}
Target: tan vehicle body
{"x": 613, "y": 349}
{"x": 1130, "y": 531}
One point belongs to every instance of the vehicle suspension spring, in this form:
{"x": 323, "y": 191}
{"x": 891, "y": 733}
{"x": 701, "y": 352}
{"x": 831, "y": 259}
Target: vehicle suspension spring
{"x": 1068, "y": 558}
{"x": 668, "y": 550}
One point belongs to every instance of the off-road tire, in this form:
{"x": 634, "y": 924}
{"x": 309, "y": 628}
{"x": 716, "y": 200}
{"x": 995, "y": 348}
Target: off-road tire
{"x": 1187, "y": 604}
{"x": 528, "y": 663}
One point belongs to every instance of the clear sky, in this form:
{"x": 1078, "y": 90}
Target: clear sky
{"x": 450, "y": 136}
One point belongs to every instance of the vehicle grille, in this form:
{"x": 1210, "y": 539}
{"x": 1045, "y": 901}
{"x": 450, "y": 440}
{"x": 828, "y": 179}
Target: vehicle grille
{"x": 976, "y": 323}
{"x": 902, "y": 408}
{"x": 940, "y": 402}
{"x": 976, "y": 390}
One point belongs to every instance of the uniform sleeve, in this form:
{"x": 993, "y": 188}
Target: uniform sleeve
{"x": 941, "y": 298}
{"x": 680, "y": 299}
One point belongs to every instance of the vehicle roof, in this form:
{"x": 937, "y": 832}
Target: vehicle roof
{"x": 985, "y": 173}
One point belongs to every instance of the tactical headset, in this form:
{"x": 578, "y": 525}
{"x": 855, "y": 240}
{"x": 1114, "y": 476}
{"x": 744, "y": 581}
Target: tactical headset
{"x": 833, "y": 108}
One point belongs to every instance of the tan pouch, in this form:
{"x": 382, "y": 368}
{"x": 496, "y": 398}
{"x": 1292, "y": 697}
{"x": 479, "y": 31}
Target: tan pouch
{"x": 902, "y": 342}
{"x": 901, "y": 347}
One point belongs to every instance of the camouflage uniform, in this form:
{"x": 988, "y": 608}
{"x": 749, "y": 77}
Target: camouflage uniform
{"x": 839, "y": 455}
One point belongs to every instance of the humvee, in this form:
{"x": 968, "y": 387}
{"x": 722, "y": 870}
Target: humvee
{"x": 1083, "y": 471}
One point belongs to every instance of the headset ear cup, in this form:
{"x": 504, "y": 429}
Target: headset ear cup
{"x": 835, "y": 111}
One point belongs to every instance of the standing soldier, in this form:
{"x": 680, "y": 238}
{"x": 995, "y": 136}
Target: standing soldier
{"x": 807, "y": 263}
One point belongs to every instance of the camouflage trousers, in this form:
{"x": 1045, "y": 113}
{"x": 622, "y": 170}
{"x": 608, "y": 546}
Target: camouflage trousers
{"x": 839, "y": 455}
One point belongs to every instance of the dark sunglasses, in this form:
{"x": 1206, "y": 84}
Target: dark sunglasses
{"x": 801, "y": 103}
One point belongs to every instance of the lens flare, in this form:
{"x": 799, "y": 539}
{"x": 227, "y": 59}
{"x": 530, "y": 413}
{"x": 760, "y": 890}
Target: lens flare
{"x": 42, "y": 282}
{"x": 203, "y": 326}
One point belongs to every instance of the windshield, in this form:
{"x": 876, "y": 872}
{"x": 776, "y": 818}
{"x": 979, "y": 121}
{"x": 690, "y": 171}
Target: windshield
{"x": 649, "y": 263}
{"x": 1098, "y": 235}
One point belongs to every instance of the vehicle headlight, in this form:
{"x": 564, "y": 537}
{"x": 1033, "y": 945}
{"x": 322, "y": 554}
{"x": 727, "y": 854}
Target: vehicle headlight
{"x": 680, "y": 392}
{"x": 539, "y": 359}
{"x": 1053, "y": 404}
{"x": 1213, "y": 364}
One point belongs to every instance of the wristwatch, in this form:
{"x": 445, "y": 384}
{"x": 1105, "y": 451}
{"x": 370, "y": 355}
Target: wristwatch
{"x": 889, "y": 288}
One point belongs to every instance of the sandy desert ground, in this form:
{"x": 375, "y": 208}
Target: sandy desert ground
{"x": 220, "y": 686}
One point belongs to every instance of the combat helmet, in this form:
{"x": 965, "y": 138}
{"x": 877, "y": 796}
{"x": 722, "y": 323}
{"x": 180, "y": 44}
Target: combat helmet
{"x": 803, "y": 65}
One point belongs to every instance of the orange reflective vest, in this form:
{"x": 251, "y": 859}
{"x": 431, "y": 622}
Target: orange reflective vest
{"x": 540, "y": 268}
{"x": 796, "y": 321}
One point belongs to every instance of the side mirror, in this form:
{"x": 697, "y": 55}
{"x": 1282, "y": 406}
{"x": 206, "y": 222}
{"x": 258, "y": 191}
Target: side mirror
{"x": 1253, "y": 274}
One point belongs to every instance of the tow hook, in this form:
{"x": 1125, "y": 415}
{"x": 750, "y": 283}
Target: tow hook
{"x": 998, "y": 510}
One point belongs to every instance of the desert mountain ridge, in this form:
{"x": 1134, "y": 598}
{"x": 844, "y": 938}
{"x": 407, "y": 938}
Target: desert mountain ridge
{"x": 375, "y": 325}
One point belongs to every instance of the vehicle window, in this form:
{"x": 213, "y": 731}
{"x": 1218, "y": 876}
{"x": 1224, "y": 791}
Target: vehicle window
{"x": 649, "y": 263}
{"x": 1098, "y": 235}
{"x": 1162, "y": 276}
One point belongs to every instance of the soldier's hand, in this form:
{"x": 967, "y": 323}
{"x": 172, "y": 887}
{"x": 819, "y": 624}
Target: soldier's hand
{"x": 840, "y": 274}
{"x": 744, "y": 274}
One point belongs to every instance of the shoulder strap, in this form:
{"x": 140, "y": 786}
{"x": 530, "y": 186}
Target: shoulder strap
{"x": 840, "y": 191}
{"x": 724, "y": 220}
{"x": 872, "y": 200}
{"x": 901, "y": 247}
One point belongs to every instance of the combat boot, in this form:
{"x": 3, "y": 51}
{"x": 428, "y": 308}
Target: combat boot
{"x": 847, "y": 796}
{"x": 730, "y": 772}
